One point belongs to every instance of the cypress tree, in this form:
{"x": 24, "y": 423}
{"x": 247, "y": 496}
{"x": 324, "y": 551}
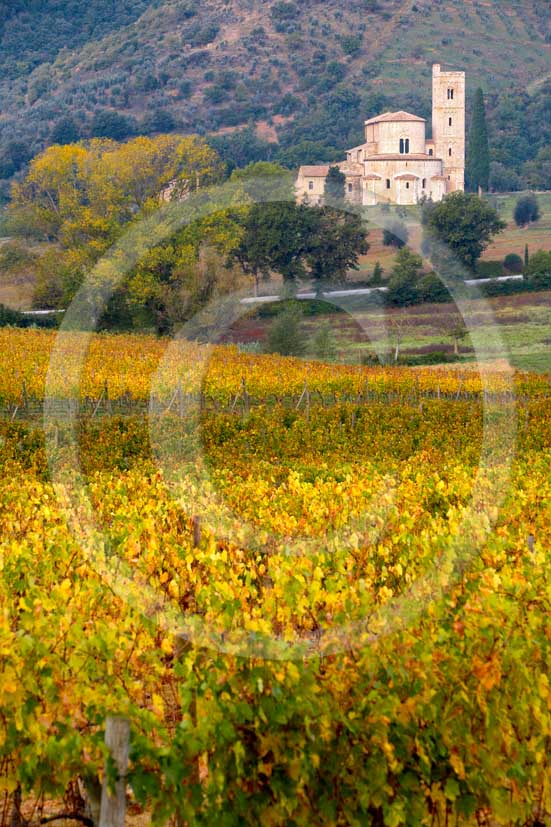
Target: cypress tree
{"x": 478, "y": 156}
{"x": 334, "y": 187}
{"x": 526, "y": 255}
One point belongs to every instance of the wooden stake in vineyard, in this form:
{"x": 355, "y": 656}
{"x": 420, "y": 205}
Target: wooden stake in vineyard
{"x": 113, "y": 803}
{"x": 245, "y": 396}
{"x": 306, "y": 396}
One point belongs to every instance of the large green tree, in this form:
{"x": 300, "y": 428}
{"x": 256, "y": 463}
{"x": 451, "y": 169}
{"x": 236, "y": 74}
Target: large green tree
{"x": 461, "y": 225}
{"x": 297, "y": 241}
{"x": 275, "y": 237}
{"x": 338, "y": 240}
{"x": 478, "y": 156}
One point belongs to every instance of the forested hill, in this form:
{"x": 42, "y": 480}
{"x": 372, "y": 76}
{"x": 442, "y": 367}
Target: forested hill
{"x": 304, "y": 71}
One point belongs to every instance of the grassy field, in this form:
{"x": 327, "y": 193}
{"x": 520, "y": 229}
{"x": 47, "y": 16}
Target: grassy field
{"x": 523, "y": 322}
{"x": 512, "y": 240}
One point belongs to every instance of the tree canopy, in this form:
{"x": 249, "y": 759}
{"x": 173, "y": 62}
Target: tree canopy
{"x": 296, "y": 240}
{"x": 526, "y": 210}
{"x": 538, "y": 269}
{"x": 464, "y": 223}
{"x": 405, "y": 274}
{"x": 83, "y": 194}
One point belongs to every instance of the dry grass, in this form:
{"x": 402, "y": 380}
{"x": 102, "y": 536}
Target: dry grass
{"x": 17, "y": 294}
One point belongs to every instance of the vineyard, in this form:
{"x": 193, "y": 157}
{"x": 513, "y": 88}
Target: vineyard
{"x": 320, "y": 594}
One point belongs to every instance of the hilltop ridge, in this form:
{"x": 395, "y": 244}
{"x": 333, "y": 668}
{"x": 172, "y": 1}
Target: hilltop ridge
{"x": 309, "y": 71}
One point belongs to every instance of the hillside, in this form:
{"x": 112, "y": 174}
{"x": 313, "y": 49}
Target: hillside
{"x": 310, "y": 71}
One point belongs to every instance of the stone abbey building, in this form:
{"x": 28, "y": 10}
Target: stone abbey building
{"x": 398, "y": 164}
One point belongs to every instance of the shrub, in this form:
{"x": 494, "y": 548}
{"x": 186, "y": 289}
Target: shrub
{"x": 285, "y": 336}
{"x": 305, "y": 307}
{"x": 435, "y": 357}
{"x": 513, "y": 263}
{"x": 538, "y": 269}
{"x": 432, "y": 289}
{"x": 110, "y": 124}
{"x": 395, "y": 234}
{"x": 402, "y": 285}
{"x": 324, "y": 344}
{"x": 283, "y": 11}
{"x": 158, "y": 121}
{"x": 14, "y": 318}
{"x": 526, "y": 210}
{"x": 351, "y": 44}
{"x": 502, "y": 288}
{"x": 489, "y": 269}
{"x": 377, "y": 276}
{"x": 66, "y": 131}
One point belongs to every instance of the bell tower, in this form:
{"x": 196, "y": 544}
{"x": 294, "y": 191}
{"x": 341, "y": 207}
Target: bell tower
{"x": 448, "y": 124}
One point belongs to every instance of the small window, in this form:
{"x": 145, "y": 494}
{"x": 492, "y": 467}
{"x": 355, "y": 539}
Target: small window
{"x": 449, "y": 178}
{"x": 310, "y": 185}
{"x": 450, "y": 94}
{"x": 424, "y": 183}
{"x": 401, "y": 146}
{"x": 350, "y": 188}
{"x": 449, "y": 121}
{"x": 407, "y": 145}
{"x": 450, "y": 152}
{"x": 407, "y": 185}
{"x": 431, "y": 152}
{"x": 388, "y": 183}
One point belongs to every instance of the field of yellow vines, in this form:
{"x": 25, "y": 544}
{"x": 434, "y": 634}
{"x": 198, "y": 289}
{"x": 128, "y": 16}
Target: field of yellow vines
{"x": 76, "y": 364}
{"x": 332, "y": 616}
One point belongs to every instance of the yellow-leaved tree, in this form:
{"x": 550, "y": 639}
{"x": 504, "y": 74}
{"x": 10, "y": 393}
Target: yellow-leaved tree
{"x": 80, "y": 198}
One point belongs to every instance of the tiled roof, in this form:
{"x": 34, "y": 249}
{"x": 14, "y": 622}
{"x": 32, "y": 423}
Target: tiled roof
{"x": 317, "y": 171}
{"x": 407, "y": 176}
{"x": 395, "y": 117}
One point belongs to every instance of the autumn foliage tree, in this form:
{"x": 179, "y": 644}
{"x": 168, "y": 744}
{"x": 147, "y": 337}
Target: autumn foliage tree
{"x": 80, "y": 197}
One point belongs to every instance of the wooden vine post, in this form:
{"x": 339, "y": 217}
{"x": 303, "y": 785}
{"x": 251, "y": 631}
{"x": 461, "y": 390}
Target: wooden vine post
{"x": 113, "y": 802}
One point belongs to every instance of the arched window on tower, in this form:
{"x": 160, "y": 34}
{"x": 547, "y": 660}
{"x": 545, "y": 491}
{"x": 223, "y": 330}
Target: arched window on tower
{"x": 450, "y": 94}
{"x": 431, "y": 151}
{"x": 450, "y": 152}
{"x": 449, "y": 121}
{"x": 402, "y": 143}
{"x": 424, "y": 183}
{"x": 407, "y": 145}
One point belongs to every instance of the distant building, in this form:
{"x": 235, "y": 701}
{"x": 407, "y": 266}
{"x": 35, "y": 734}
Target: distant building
{"x": 397, "y": 164}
